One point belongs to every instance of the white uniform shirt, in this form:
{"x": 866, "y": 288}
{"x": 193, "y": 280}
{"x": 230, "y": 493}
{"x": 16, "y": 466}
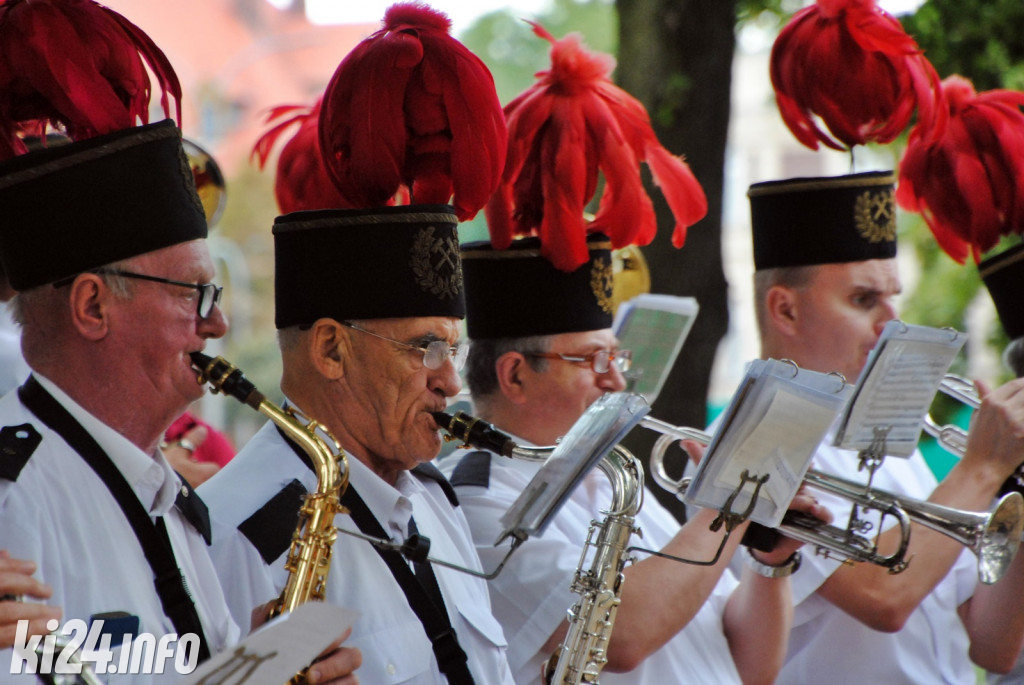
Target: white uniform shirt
{"x": 532, "y": 594}
{"x": 828, "y": 645}
{"x": 394, "y": 645}
{"x": 59, "y": 514}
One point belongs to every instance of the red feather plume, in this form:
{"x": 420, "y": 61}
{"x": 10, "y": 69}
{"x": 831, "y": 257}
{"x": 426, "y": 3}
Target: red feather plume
{"x": 76, "y": 65}
{"x": 301, "y": 181}
{"x": 968, "y": 183}
{"x": 411, "y": 106}
{"x": 852, "y": 65}
{"x": 571, "y": 124}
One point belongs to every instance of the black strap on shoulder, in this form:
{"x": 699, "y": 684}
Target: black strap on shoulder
{"x": 418, "y": 588}
{"x": 421, "y": 589}
{"x": 473, "y": 469}
{"x": 17, "y": 443}
{"x": 167, "y": 578}
{"x": 194, "y": 509}
{"x": 427, "y": 471}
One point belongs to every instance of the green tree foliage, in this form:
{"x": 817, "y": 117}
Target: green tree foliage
{"x": 979, "y": 39}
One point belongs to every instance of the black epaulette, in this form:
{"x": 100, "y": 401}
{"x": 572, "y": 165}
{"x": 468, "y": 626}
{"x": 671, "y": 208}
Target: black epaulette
{"x": 427, "y": 471}
{"x": 473, "y": 469}
{"x": 271, "y": 528}
{"x": 193, "y": 508}
{"x": 17, "y": 443}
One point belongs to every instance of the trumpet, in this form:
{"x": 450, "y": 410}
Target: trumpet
{"x": 994, "y": 536}
{"x": 953, "y": 438}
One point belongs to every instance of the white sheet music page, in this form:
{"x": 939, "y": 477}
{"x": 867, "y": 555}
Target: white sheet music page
{"x": 896, "y": 388}
{"x": 779, "y": 445}
{"x": 654, "y": 327}
{"x": 277, "y": 650}
{"x": 772, "y": 427}
{"x": 595, "y": 433}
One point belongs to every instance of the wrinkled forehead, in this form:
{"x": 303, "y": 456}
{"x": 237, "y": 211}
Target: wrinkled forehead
{"x": 411, "y": 328}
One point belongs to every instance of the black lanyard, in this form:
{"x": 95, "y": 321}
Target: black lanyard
{"x": 156, "y": 545}
{"x": 420, "y": 588}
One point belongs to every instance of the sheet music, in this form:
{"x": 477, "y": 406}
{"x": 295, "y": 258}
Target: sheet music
{"x": 602, "y": 426}
{"x": 897, "y": 387}
{"x": 277, "y": 650}
{"x": 654, "y": 327}
{"x": 787, "y": 441}
{"x": 773, "y": 426}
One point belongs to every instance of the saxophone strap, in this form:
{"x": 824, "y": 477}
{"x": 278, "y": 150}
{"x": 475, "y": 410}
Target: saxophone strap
{"x": 420, "y": 588}
{"x": 156, "y": 545}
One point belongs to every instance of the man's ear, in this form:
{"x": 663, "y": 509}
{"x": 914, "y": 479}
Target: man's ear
{"x": 88, "y": 302}
{"x": 782, "y": 310}
{"x": 510, "y": 370}
{"x": 329, "y": 348}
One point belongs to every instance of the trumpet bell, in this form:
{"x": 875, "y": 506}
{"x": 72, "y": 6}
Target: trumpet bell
{"x": 1000, "y": 538}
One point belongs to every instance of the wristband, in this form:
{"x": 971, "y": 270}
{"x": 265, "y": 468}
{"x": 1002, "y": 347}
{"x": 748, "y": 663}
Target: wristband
{"x": 786, "y": 568}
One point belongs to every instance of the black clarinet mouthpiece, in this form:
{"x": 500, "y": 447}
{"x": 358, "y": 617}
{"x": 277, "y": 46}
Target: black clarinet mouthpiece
{"x": 475, "y": 432}
{"x": 227, "y": 378}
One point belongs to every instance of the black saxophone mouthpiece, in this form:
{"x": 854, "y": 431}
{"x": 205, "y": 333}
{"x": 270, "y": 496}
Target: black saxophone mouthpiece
{"x": 475, "y": 432}
{"x": 227, "y": 378}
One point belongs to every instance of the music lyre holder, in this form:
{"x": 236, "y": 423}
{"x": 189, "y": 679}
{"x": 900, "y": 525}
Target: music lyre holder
{"x": 726, "y": 518}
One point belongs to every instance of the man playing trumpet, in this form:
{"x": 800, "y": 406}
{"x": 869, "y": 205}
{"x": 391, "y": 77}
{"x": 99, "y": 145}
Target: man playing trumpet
{"x": 826, "y": 282}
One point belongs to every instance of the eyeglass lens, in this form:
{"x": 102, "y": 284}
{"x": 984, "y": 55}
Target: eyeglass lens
{"x": 437, "y": 351}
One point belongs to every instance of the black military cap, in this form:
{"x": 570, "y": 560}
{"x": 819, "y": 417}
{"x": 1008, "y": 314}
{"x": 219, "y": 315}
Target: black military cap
{"x": 1003, "y": 275}
{"x": 70, "y": 208}
{"x": 380, "y": 263}
{"x": 516, "y": 292}
{"x": 827, "y": 220}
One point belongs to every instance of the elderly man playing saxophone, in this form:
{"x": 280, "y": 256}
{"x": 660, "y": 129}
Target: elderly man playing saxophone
{"x": 368, "y": 317}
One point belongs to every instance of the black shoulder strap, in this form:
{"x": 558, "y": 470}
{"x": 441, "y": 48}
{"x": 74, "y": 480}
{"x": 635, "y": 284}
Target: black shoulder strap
{"x": 433, "y": 615}
{"x": 427, "y": 471}
{"x": 17, "y": 443}
{"x": 193, "y": 508}
{"x": 271, "y": 528}
{"x": 170, "y": 584}
{"x": 431, "y": 612}
{"x": 473, "y": 469}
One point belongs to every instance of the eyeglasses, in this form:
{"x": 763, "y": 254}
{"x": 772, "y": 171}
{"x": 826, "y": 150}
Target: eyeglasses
{"x": 434, "y": 352}
{"x": 209, "y": 294}
{"x": 600, "y": 361}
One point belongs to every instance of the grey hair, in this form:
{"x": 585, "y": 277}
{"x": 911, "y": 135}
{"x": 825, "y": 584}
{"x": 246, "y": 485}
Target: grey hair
{"x": 481, "y": 376}
{"x": 119, "y": 286}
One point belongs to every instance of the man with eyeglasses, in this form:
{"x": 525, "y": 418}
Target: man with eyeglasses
{"x": 113, "y": 296}
{"x": 368, "y": 304}
{"x": 542, "y": 351}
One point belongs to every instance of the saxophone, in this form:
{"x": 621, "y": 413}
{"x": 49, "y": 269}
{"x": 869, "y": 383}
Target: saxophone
{"x": 584, "y": 652}
{"x": 309, "y": 557}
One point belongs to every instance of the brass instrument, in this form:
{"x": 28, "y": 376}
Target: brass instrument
{"x": 994, "y": 536}
{"x": 953, "y": 439}
{"x": 309, "y": 557}
{"x": 584, "y": 651}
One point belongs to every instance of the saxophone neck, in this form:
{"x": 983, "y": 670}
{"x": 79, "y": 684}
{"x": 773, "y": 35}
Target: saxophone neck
{"x": 626, "y": 475}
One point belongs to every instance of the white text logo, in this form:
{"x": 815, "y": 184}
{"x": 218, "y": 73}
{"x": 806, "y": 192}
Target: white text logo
{"x": 65, "y": 652}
